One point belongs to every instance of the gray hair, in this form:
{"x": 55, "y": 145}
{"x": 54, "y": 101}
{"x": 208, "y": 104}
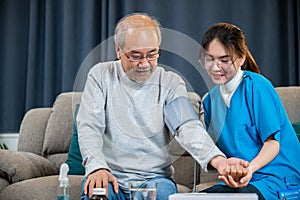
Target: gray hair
{"x": 123, "y": 26}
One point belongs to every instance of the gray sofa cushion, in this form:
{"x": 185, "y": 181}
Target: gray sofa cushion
{"x": 40, "y": 188}
{"x": 32, "y": 130}
{"x": 290, "y": 99}
{"x": 16, "y": 166}
{"x": 59, "y": 128}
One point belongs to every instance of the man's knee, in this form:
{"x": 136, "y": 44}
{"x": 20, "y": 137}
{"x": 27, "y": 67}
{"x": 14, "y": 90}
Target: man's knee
{"x": 164, "y": 188}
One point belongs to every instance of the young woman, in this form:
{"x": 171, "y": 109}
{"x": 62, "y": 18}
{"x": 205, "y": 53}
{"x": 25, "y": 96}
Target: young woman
{"x": 245, "y": 117}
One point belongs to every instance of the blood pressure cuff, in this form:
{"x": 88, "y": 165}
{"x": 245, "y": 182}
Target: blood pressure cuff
{"x": 178, "y": 112}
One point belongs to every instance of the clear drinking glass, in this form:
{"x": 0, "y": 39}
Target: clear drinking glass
{"x": 142, "y": 190}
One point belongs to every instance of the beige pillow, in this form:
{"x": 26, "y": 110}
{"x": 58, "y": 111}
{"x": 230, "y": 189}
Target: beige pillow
{"x": 16, "y": 166}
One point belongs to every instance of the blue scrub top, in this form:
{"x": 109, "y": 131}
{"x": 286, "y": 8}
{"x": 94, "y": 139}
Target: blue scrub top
{"x": 255, "y": 113}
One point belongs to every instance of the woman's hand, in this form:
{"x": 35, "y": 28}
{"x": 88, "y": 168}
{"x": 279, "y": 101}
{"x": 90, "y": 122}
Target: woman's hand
{"x": 239, "y": 175}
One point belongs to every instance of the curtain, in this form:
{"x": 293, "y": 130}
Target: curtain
{"x": 48, "y": 46}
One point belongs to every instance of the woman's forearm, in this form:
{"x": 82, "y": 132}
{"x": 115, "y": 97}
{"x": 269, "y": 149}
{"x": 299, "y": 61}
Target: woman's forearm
{"x": 267, "y": 153}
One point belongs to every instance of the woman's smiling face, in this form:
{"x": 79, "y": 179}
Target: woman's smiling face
{"x": 222, "y": 68}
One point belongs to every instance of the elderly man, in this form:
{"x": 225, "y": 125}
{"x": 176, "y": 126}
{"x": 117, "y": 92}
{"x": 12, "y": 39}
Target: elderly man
{"x": 125, "y": 110}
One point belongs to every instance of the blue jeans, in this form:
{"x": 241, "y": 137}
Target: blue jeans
{"x": 164, "y": 188}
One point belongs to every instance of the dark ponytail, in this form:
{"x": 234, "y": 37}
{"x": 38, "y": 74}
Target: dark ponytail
{"x": 233, "y": 38}
{"x": 250, "y": 63}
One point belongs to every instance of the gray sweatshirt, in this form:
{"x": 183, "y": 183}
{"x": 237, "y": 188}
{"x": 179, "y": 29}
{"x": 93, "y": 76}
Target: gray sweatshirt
{"x": 121, "y": 125}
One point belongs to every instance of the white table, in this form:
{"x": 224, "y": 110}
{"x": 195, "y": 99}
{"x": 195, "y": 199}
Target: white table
{"x": 213, "y": 196}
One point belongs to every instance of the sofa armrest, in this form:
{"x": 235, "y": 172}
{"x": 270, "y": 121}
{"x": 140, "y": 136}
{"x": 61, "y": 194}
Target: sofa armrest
{"x": 17, "y": 166}
{"x": 32, "y": 130}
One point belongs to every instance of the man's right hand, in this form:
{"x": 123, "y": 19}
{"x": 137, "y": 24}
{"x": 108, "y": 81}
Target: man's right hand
{"x": 100, "y": 179}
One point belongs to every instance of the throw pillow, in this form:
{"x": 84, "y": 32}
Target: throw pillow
{"x": 17, "y": 166}
{"x": 296, "y": 127}
{"x": 74, "y": 156}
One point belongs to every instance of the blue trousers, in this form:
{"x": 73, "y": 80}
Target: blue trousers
{"x": 164, "y": 188}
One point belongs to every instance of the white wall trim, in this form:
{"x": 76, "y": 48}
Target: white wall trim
{"x": 10, "y": 139}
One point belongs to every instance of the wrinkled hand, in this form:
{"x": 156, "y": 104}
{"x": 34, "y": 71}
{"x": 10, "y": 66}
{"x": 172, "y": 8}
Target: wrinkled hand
{"x": 237, "y": 174}
{"x": 100, "y": 179}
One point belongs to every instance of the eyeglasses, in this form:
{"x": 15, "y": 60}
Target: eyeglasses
{"x": 138, "y": 57}
{"x": 223, "y": 62}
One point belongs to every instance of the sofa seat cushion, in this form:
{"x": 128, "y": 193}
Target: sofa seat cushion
{"x": 183, "y": 189}
{"x": 41, "y": 188}
{"x": 16, "y": 166}
{"x": 203, "y": 186}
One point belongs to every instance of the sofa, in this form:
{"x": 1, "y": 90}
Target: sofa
{"x": 45, "y": 142}
{"x": 32, "y": 171}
